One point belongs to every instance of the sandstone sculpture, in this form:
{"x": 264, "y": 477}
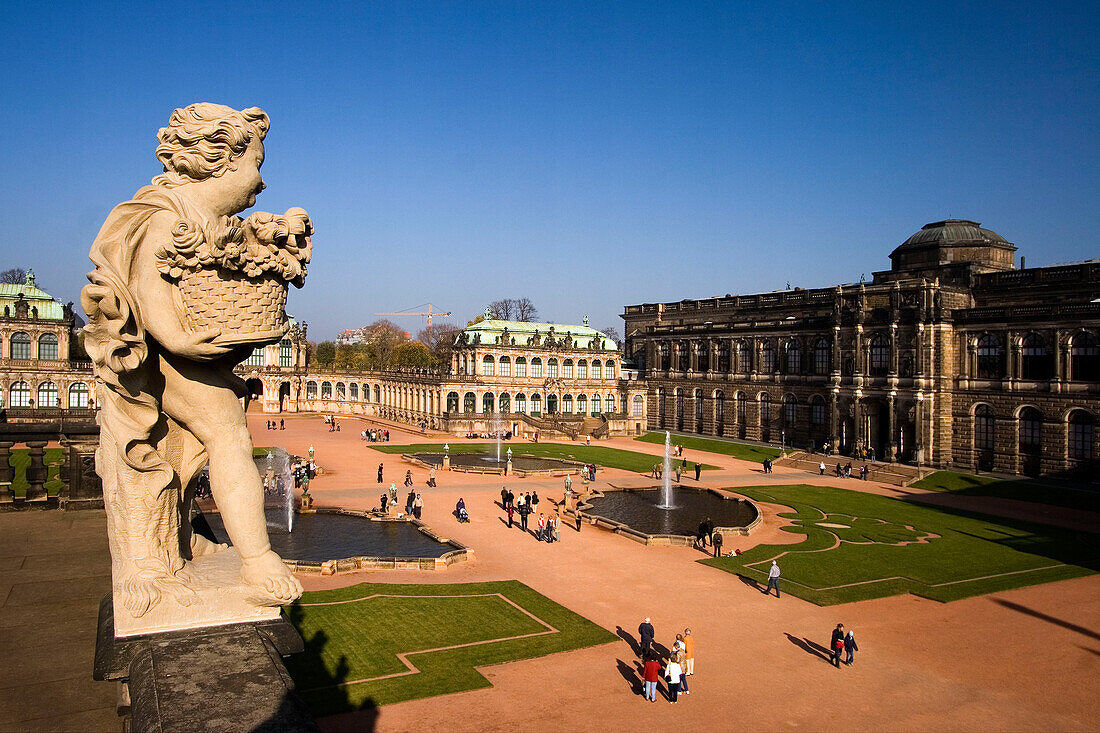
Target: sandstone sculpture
{"x": 183, "y": 291}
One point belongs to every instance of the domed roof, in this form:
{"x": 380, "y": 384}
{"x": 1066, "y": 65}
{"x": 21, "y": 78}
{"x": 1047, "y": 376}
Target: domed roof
{"x": 953, "y": 232}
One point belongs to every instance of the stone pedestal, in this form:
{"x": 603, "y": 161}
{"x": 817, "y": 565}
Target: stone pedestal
{"x": 446, "y": 463}
{"x": 222, "y": 678}
{"x": 217, "y": 596}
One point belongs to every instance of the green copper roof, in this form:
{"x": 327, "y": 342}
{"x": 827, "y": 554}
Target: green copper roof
{"x": 48, "y": 308}
{"x": 491, "y": 329}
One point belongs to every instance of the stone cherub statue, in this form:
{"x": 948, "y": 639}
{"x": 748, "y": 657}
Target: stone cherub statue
{"x": 182, "y": 292}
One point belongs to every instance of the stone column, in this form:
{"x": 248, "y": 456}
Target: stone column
{"x": 7, "y": 473}
{"x": 834, "y": 421}
{"x": 891, "y": 441}
{"x": 36, "y": 471}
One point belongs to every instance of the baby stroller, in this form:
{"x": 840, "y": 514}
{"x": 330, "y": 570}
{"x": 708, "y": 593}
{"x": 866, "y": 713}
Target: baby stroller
{"x": 462, "y": 515}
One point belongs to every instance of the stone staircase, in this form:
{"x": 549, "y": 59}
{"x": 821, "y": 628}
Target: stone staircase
{"x": 897, "y": 474}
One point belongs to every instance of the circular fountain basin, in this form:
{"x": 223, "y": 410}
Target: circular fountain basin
{"x": 484, "y": 463}
{"x": 638, "y": 511}
{"x": 346, "y": 541}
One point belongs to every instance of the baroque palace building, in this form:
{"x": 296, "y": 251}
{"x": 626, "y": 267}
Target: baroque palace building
{"x": 38, "y": 377}
{"x": 952, "y": 358}
{"x": 505, "y": 376}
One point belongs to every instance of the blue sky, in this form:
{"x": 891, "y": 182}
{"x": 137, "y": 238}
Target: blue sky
{"x": 584, "y": 155}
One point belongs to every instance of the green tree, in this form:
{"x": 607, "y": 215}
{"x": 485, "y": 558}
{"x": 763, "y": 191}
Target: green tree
{"x": 412, "y": 354}
{"x": 326, "y": 354}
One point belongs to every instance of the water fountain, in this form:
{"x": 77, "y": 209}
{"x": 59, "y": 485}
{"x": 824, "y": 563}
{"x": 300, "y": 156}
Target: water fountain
{"x": 280, "y": 489}
{"x": 495, "y": 426}
{"x": 666, "y": 476}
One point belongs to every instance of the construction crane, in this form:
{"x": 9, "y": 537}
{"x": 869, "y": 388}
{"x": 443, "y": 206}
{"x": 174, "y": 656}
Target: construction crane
{"x": 429, "y": 313}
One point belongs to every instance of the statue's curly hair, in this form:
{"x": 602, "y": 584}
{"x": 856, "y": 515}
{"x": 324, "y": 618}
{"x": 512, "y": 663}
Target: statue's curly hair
{"x": 203, "y": 139}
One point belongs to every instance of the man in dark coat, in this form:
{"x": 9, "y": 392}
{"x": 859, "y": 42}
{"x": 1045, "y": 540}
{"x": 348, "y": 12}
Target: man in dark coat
{"x": 716, "y": 540}
{"x": 698, "y": 470}
{"x": 645, "y": 637}
{"x": 379, "y": 473}
{"x": 836, "y": 645}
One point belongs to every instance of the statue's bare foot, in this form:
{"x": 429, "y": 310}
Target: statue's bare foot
{"x": 201, "y": 546}
{"x": 268, "y": 572}
{"x": 139, "y": 594}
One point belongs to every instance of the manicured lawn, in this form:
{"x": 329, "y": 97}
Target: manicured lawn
{"x": 881, "y": 547}
{"x": 610, "y": 457}
{"x": 744, "y": 451}
{"x": 1021, "y": 489}
{"x": 444, "y": 632}
{"x": 21, "y": 460}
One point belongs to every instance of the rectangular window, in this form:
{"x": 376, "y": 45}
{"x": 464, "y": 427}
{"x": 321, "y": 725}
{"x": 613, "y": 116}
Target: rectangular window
{"x": 286, "y": 354}
{"x": 1080, "y": 441}
{"x": 256, "y": 358}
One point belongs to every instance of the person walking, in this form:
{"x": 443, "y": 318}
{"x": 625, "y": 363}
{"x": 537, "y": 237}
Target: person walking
{"x": 689, "y": 653}
{"x": 681, "y": 659}
{"x": 541, "y": 525}
{"x": 409, "y": 501}
{"x": 431, "y": 477}
{"x": 379, "y": 473}
{"x": 651, "y": 673}
{"x": 418, "y": 506}
{"x": 836, "y": 645}
{"x": 679, "y": 468}
{"x": 821, "y": 468}
{"x": 503, "y": 497}
{"x": 510, "y": 509}
{"x": 645, "y": 637}
{"x": 673, "y": 674}
{"x": 408, "y": 478}
{"x": 716, "y": 542}
{"x": 698, "y": 470}
{"x": 773, "y": 579}
{"x": 534, "y": 501}
{"x": 850, "y": 648}
{"x": 524, "y": 510}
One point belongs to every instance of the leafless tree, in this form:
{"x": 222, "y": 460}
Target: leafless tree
{"x": 613, "y": 333}
{"x": 14, "y": 276}
{"x": 514, "y": 309}
{"x": 525, "y": 310}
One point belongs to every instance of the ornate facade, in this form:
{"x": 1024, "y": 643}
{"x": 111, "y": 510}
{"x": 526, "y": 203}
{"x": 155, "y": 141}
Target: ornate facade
{"x": 37, "y": 373}
{"x": 951, "y": 358}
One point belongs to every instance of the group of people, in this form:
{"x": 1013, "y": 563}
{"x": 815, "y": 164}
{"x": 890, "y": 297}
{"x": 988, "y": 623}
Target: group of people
{"x": 414, "y": 504}
{"x": 845, "y": 471}
{"x": 678, "y": 666}
{"x": 767, "y": 465}
{"x": 707, "y": 531}
{"x": 271, "y": 425}
{"x": 658, "y": 470}
{"x": 375, "y": 436}
{"x": 333, "y": 423}
{"x": 547, "y": 527}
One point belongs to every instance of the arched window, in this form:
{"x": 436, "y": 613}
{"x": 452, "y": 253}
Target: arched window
{"x": 595, "y": 368}
{"x": 822, "y": 352}
{"x": 567, "y": 404}
{"x": 767, "y": 357}
{"x": 609, "y": 370}
{"x": 551, "y": 371}
{"x": 991, "y": 361}
{"x": 326, "y": 390}
{"x": 487, "y": 366}
{"x": 582, "y": 369}
{"x": 469, "y": 402}
{"x": 1081, "y": 435}
{"x": 366, "y": 393}
{"x": 521, "y": 403}
{"x": 724, "y": 356}
{"x": 536, "y": 404}
{"x": 311, "y": 390}
{"x": 452, "y": 402}
{"x": 679, "y": 409}
{"x": 817, "y": 410}
{"x": 19, "y": 395}
{"x": 790, "y": 408}
{"x": 505, "y": 366}
{"x": 1031, "y": 431}
{"x": 742, "y": 407}
{"x": 609, "y": 404}
{"x": 637, "y": 406}
{"x": 341, "y": 391}
{"x": 377, "y": 393}
{"x": 536, "y": 369}
{"x": 765, "y": 416}
{"x": 488, "y": 403}
{"x": 594, "y": 404}
{"x": 1084, "y": 357}
{"x": 567, "y": 369}
{"x": 353, "y": 392}
{"x": 551, "y": 404}
{"x": 505, "y": 402}
{"x": 582, "y": 404}
{"x": 879, "y": 356}
{"x": 47, "y": 347}
{"x": 78, "y": 395}
{"x": 47, "y": 395}
{"x": 256, "y": 358}
{"x": 521, "y": 368}
{"x": 20, "y": 346}
{"x": 286, "y": 353}
{"x": 984, "y": 428}
{"x": 744, "y": 358}
{"x": 719, "y": 411}
{"x": 794, "y": 357}
{"x": 1036, "y": 361}
{"x": 698, "y": 400}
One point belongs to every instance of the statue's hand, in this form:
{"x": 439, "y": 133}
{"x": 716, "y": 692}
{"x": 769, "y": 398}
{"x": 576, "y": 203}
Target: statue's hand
{"x": 200, "y": 346}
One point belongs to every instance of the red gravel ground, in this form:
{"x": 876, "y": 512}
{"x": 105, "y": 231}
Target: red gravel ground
{"x": 1027, "y": 659}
